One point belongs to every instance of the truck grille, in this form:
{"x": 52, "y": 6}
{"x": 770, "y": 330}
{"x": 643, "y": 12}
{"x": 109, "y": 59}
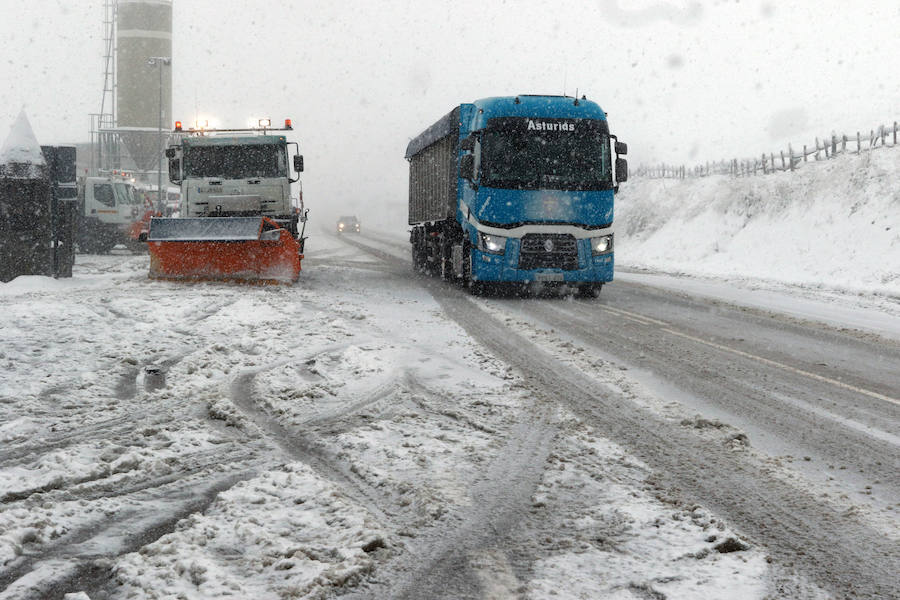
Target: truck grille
{"x": 548, "y": 251}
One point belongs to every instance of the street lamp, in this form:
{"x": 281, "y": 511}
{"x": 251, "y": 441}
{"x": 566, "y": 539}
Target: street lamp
{"x": 159, "y": 61}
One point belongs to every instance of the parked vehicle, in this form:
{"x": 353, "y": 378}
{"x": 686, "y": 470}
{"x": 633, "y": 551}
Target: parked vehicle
{"x": 516, "y": 189}
{"x": 111, "y": 212}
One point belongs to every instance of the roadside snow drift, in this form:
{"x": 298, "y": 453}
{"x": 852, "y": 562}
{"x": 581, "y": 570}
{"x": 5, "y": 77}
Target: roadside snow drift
{"x": 831, "y": 224}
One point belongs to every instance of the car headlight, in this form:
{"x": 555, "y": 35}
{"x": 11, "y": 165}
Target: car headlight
{"x": 602, "y": 244}
{"x": 494, "y": 244}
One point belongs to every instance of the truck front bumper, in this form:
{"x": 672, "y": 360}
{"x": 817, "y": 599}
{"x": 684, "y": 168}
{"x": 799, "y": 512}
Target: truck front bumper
{"x": 504, "y": 267}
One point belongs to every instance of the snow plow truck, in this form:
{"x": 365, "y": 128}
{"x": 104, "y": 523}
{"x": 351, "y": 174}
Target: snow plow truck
{"x": 237, "y": 219}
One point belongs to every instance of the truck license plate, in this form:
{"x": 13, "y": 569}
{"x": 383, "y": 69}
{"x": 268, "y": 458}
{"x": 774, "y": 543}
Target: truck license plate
{"x": 548, "y": 277}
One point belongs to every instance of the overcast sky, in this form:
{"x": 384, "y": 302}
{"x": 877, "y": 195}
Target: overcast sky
{"x": 683, "y": 82}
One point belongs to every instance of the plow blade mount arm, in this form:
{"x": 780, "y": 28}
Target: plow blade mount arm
{"x": 249, "y": 249}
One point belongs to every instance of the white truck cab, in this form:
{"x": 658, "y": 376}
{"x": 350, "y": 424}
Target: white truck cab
{"x": 108, "y": 206}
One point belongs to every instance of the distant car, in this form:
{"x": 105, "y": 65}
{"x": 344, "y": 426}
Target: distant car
{"x": 349, "y": 223}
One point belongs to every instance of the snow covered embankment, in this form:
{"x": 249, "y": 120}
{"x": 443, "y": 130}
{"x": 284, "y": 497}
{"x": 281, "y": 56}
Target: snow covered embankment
{"x": 828, "y": 225}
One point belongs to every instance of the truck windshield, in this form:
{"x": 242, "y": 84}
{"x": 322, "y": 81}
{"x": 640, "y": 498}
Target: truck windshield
{"x": 125, "y": 194}
{"x": 236, "y": 162}
{"x": 532, "y": 154}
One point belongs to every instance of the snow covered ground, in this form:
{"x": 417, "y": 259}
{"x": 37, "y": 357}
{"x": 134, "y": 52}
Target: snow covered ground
{"x": 267, "y": 426}
{"x": 831, "y": 228}
{"x": 211, "y": 440}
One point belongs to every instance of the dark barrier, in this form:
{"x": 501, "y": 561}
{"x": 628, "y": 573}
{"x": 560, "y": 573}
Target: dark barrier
{"x": 26, "y": 224}
{"x": 38, "y": 217}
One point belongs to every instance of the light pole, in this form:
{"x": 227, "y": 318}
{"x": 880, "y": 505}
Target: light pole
{"x": 159, "y": 61}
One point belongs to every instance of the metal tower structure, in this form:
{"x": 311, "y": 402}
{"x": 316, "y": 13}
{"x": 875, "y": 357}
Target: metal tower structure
{"x": 127, "y": 133}
{"x": 105, "y": 154}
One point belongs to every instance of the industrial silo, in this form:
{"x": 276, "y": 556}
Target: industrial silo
{"x": 143, "y": 90}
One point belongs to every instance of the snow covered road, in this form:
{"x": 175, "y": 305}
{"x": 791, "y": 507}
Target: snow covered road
{"x": 369, "y": 434}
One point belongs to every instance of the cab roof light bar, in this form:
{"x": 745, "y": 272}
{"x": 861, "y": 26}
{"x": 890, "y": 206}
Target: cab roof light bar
{"x": 264, "y": 126}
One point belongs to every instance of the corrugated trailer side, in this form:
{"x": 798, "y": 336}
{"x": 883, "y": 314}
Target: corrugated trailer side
{"x": 432, "y": 182}
{"x": 433, "y": 171}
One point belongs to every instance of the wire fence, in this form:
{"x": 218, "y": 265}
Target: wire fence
{"x": 883, "y": 137}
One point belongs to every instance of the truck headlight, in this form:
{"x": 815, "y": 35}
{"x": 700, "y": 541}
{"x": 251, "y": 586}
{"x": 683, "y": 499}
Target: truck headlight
{"x": 602, "y": 244}
{"x": 492, "y": 243}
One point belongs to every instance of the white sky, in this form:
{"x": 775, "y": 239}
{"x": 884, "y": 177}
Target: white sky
{"x": 681, "y": 81}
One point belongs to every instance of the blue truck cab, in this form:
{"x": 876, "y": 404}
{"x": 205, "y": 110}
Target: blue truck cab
{"x": 516, "y": 189}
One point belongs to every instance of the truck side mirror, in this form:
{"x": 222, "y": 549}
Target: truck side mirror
{"x": 467, "y": 167}
{"x": 621, "y": 148}
{"x": 174, "y": 169}
{"x": 298, "y": 163}
{"x": 621, "y": 169}
{"x": 467, "y": 144}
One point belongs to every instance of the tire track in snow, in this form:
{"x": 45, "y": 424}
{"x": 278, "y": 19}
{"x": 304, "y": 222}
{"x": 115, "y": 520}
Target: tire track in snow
{"x": 838, "y": 550}
{"x": 113, "y": 429}
{"x": 305, "y": 446}
{"x": 834, "y": 548}
{"x": 463, "y": 555}
{"x": 466, "y": 553}
{"x": 88, "y": 569}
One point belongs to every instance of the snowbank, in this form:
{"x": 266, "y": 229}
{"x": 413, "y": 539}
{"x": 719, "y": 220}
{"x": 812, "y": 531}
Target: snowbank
{"x": 828, "y": 225}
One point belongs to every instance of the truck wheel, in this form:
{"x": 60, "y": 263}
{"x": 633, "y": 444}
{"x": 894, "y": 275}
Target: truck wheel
{"x": 446, "y": 262}
{"x": 418, "y": 254}
{"x": 476, "y": 288}
{"x": 589, "y": 290}
{"x": 416, "y": 258}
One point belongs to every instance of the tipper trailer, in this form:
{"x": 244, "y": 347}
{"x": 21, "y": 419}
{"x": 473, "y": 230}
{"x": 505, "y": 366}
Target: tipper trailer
{"x": 516, "y": 189}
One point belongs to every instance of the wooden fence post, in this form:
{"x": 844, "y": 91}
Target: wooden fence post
{"x": 833, "y": 145}
{"x": 858, "y": 144}
{"x": 895, "y": 133}
{"x": 844, "y": 143}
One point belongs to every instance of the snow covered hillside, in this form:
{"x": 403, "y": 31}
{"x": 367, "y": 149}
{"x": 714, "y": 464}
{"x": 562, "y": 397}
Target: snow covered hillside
{"x": 830, "y": 225}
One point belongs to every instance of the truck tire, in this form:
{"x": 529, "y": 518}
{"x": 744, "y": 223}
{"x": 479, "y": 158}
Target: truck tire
{"x": 476, "y": 288}
{"x": 446, "y": 265}
{"x": 418, "y": 252}
{"x": 589, "y": 290}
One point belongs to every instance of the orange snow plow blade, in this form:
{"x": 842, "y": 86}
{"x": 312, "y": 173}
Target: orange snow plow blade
{"x": 246, "y": 249}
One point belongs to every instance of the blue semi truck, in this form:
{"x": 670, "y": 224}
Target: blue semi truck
{"x": 516, "y": 189}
